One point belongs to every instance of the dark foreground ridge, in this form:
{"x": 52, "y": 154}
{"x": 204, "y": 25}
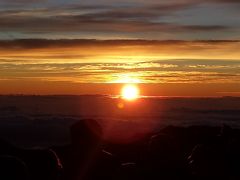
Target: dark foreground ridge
{"x": 197, "y": 152}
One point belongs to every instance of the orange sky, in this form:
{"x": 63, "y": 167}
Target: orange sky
{"x": 173, "y": 47}
{"x": 163, "y": 68}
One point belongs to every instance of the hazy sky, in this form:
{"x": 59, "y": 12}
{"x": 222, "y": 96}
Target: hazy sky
{"x": 109, "y": 19}
{"x": 72, "y": 47}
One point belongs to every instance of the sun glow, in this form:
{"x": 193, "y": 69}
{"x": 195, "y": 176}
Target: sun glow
{"x": 130, "y": 92}
{"x": 127, "y": 79}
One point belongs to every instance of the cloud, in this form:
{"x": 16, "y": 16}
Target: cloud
{"x": 65, "y": 43}
{"x": 21, "y": 1}
{"x": 76, "y": 23}
{"x": 226, "y": 1}
{"x": 168, "y": 71}
{"x": 101, "y": 19}
{"x": 67, "y": 51}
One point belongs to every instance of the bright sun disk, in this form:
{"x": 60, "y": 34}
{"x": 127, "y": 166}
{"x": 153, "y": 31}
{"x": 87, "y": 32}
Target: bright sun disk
{"x": 130, "y": 92}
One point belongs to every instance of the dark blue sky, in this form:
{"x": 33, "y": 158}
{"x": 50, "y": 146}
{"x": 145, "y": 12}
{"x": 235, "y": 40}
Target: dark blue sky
{"x": 119, "y": 19}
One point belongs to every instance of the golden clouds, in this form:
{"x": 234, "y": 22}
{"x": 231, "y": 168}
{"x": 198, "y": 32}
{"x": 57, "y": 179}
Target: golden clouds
{"x": 92, "y": 51}
{"x": 70, "y": 63}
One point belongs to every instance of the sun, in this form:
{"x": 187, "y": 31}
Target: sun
{"x": 130, "y": 92}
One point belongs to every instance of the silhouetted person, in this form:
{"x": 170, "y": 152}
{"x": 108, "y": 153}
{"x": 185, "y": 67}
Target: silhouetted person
{"x": 162, "y": 160}
{"x": 231, "y": 142}
{"x": 128, "y": 171}
{"x": 208, "y": 161}
{"x": 84, "y": 158}
{"x": 41, "y": 163}
{"x": 13, "y": 168}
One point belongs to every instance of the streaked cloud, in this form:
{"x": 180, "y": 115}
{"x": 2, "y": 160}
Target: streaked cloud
{"x": 125, "y": 19}
{"x": 112, "y": 61}
{"x": 104, "y": 51}
{"x": 117, "y": 22}
{"x": 173, "y": 71}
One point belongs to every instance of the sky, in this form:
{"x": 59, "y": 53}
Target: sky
{"x": 168, "y": 47}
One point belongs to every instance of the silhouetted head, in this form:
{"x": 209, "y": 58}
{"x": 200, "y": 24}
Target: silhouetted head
{"x": 13, "y": 168}
{"x": 42, "y": 163}
{"x": 226, "y": 131}
{"x": 162, "y": 145}
{"x": 86, "y": 131}
{"x": 206, "y": 161}
{"x": 127, "y": 171}
{"x": 162, "y": 157}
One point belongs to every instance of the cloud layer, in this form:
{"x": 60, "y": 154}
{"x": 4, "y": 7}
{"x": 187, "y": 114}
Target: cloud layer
{"x": 55, "y": 42}
{"x": 120, "y": 61}
{"x": 130, "y": 19}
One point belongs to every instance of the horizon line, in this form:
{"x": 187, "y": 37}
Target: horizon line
{"x": 119, "y": 96}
